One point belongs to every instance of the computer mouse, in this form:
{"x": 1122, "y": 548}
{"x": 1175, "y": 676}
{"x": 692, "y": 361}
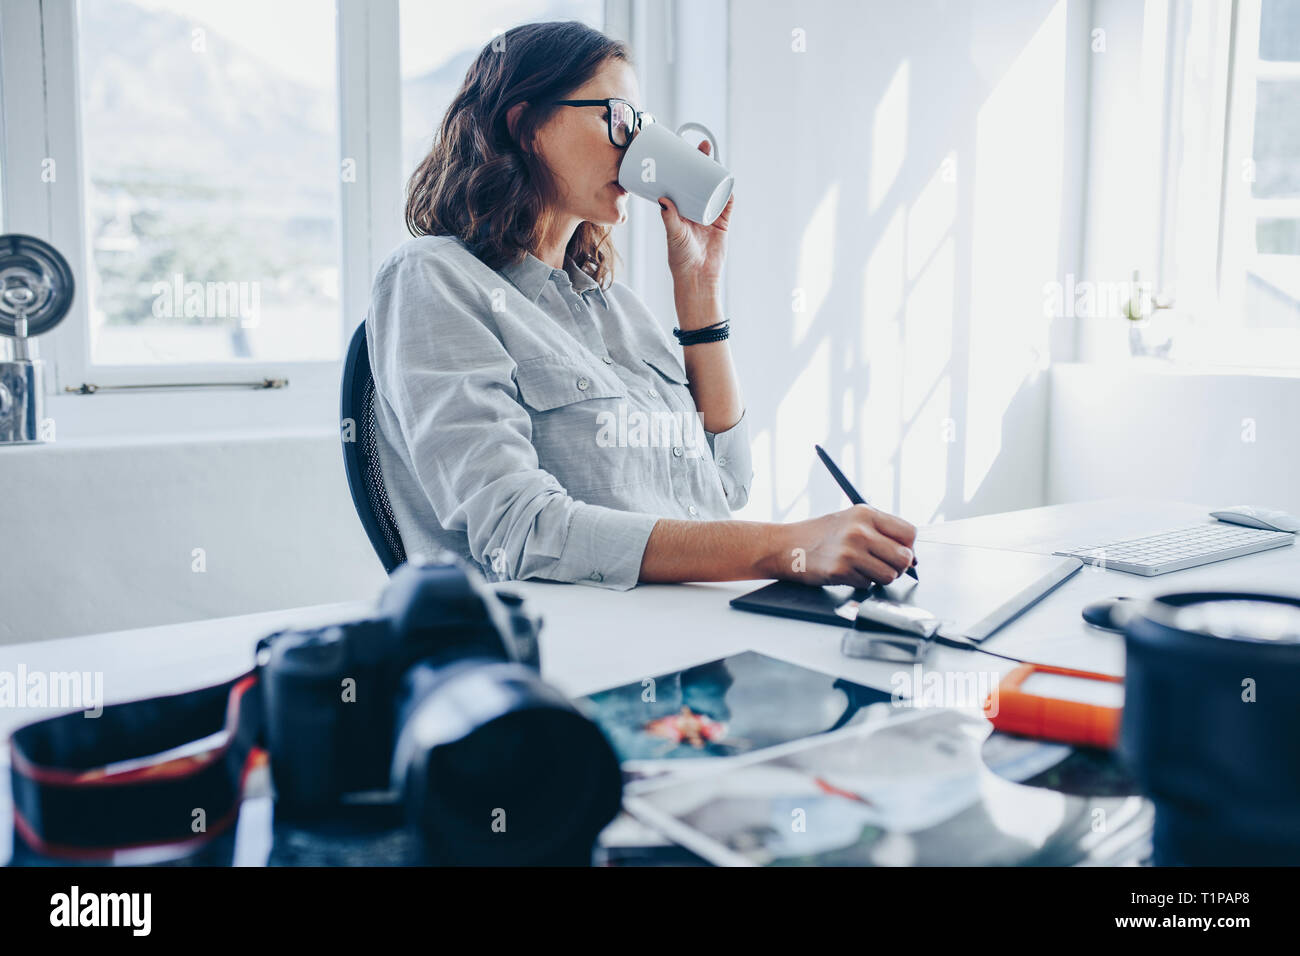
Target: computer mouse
{"x": 1109, "y": 614}
{"x": 1261, "y": 518}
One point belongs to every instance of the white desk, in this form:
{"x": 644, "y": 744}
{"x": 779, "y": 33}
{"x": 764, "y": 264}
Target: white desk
{"x": 593, "y": 638}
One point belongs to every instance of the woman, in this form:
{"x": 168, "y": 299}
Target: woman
{"x": 518, "y": 385}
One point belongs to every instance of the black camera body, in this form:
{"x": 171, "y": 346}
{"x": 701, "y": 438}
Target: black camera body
{"x": 436, "y": 702}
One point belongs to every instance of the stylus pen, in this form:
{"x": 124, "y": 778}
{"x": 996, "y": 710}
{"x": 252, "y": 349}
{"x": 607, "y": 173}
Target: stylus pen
{"x": 849, "y": 490}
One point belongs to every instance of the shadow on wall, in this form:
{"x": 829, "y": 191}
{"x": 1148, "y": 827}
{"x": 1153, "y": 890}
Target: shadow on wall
{"x": 907, "y": 186}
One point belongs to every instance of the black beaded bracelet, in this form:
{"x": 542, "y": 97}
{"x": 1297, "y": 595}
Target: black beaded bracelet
{"x": 716, "y": 332}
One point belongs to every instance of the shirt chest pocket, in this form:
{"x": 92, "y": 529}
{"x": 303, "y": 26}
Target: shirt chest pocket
{"x": 552, "y": 382}
{"x": 670, "y": 384}
{"x": 668, "y": 368}
{"x": 575, "y": 410}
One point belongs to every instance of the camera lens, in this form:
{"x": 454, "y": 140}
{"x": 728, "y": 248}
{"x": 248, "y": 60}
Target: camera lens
{"x": 501, "y": 769}
{"x": 1220, "y": 761}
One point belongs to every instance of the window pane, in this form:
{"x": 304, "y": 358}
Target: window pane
{"x": 439, "y": 41}
{"x": 1279, "y": 30}
{"x": 1271, "y": 293}
{"x": 210, "y": 138}
{"x": 1277, "y": 139}
{"x": 1278, "y": 237}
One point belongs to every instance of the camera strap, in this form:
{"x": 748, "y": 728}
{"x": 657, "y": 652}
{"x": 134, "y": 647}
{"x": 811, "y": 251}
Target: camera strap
{"x": 90, "y": 788}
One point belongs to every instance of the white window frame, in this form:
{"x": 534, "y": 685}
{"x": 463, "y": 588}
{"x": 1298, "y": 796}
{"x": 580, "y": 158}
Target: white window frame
{"x": 1242, "y": 211}
{"x": 367, "y": 35}
{"x": 39, "y": 51}
{"x": 1220, "y": 336}
{"x": 679, "y": 48}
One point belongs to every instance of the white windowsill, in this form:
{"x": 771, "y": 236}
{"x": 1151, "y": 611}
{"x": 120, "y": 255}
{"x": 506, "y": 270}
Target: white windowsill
{"x": 125, "y": 417}
{"x": 1163, "y": 367}
{"x": 174, "y": 438}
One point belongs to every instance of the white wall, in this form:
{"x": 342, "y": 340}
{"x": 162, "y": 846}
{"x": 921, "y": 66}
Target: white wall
{"x": 100, "y": 535}
{"x": 905, "y": 186}
{"x": 1153, "y": 430}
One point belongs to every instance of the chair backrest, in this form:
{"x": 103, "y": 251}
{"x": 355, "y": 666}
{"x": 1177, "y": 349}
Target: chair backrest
{"x": 361, "y": 454}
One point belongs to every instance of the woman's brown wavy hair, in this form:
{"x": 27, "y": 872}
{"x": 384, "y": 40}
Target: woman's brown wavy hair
{"x": 478, "y": 182}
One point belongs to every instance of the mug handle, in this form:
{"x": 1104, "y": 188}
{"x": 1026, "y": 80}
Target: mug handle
{"x": 701, "y": 128}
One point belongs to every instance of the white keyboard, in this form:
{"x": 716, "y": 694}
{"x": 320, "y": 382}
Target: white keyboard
{"x": 1180, "y": 548}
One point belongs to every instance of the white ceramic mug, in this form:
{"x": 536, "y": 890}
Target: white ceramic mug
{"x": 658, "y": 162}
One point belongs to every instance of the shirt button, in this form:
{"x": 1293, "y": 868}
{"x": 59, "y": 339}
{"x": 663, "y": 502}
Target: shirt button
{"x": 582, "y": 384}
{"x": 653, "y": 393}
{"x": 597, "y": 576}
{"x": 722, "y": 461}
{"x": 677, "y": 451}
{"x": 608, "y": 360}
{"x": 691, "y": 510}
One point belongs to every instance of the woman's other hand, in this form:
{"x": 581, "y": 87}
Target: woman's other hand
{"x": 859, "y": 546}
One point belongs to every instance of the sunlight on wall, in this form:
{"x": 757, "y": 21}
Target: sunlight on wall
{"x": 924, "y": 458}
{"x": 889, "y": 136}
{"x": 927, "y": 415}
{"x": 816, "y": 264}
{"x": 846, "y": 451}
{"x": 932, "y": 216}
{"x": 884, "y": 287}
{"x": 802, "y": 418}
{"x": 1016, "y": 221}
{"x": 927, "y": 330}
{"x": 915, "y": 212}
{"x": 881, "y": 348}
{"x": 927, "y": 386}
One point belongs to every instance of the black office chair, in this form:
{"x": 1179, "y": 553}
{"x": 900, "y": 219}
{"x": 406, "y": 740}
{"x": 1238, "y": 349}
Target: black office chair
{"x": 361, "y": 455}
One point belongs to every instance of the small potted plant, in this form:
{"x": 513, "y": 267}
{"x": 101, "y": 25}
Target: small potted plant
{"x": 1148, "y": 335}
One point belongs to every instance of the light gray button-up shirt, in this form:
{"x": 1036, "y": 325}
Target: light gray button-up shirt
{"x": 532, "y": 422}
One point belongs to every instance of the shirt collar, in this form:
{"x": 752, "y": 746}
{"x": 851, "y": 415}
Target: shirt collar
{"x": 530, "y": 275}
{"x": 584, "y": 283}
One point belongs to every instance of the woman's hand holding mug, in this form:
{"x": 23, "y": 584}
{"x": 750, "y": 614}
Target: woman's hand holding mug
{"x": 696, "y": 252}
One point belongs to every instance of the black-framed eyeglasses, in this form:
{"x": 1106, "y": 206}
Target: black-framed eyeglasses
{"x": 624, "y": 118}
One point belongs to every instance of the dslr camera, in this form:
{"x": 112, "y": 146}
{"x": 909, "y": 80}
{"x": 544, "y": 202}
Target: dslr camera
{"x": 436, "y": 703}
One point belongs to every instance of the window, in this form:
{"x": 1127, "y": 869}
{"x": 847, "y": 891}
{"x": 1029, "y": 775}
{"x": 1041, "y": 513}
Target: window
{"x": 440, "y": 41}
{"x": 1261, "y": 256}
{"x": 1231, "y": 252}
{"x": 225, "y": 178}
{"x": 210, "y": 152}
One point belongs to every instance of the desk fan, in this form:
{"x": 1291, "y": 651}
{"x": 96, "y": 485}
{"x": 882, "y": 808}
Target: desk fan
{"x": 36, "y": 289}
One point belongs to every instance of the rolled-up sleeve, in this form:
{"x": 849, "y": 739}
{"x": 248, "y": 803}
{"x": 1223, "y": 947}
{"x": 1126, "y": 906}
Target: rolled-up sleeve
{"x": 731, "y": 453}
{"x": 450, "y": 383}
